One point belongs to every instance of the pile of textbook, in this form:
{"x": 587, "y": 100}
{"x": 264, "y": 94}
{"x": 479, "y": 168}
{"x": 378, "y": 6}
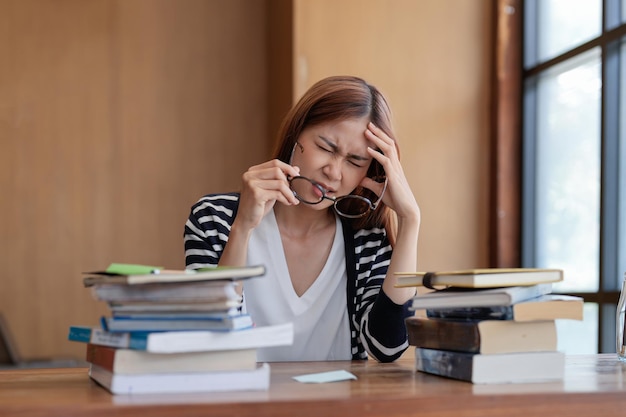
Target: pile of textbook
{"x": 176, "y": 331}
{"x": 489, "y": 325}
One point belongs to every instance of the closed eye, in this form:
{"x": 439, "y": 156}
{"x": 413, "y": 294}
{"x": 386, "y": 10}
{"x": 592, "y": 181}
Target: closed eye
{"x": 326, "y": 149}
{"x": 352, "y": 162}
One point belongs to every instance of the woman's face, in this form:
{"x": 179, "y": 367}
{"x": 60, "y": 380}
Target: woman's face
{"x": 334, "y": 154}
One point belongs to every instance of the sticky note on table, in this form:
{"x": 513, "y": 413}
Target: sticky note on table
{"x": 322, "y": 377}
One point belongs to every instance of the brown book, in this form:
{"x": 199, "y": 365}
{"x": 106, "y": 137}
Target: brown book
{"x": 482, "y": 336}
{"x": 129, "y": 361}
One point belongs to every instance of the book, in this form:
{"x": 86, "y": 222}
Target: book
{"x": 499, "y": 368}
{"x": 481, "y": 278}
{"x": 182, "y": 382}
{"x": 187, "y": 341}
{"x": 180, "y": 292}
{"x": 482, "y": 336}
{"x": 174, "y": 314}
{"x": 114, "y": 276}
{"x": 471, "y": 297}
{"x": 545, "y": 307}
{"x": 147, "y": 308}
{"x": 129, "y": 361}
{"x": 173, "y": 323}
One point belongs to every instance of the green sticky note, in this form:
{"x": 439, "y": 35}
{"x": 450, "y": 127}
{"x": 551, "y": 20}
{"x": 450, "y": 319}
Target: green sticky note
{"x": 131, "y": 269}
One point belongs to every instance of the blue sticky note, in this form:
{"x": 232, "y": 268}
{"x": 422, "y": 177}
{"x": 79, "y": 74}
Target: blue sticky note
{"x": 322, "y": 377}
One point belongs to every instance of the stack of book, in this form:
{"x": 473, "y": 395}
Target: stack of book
{"x": 489, "y": 325}
{"x": 175, "y": 331}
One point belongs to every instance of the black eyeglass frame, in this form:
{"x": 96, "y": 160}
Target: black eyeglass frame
{"x": 337, "y": 200}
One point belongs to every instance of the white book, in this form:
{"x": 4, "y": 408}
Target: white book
{"x": 188, "y": 382}
{"x": 455, "y": 298}
{"x": 198, "y": 341}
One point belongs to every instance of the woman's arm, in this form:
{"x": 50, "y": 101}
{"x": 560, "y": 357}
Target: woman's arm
{"x": 398, "y": 197}
{"x": 379, "y": 320}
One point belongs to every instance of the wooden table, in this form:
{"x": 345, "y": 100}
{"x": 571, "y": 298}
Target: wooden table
{"x": 594, "y": 385}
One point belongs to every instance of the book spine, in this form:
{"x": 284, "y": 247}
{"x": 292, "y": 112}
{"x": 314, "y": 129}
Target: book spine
{"x": 463, "y": 336}
{"x": 457, "y": 365}
{"x": 103, "y": 356}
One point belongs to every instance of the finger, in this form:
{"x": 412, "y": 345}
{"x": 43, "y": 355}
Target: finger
{"x": 381, "y": 157}
{"x": 379, "y": 133}
{"x": 275, "y": 190}
{"x": 275, "y": 169}
{"x": 370, "y": 184}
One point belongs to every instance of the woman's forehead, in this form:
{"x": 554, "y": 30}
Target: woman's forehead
{"x": 344, "y": 132}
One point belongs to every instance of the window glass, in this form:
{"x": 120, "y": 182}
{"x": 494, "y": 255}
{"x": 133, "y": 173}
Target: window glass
{"x": 579, "y": 337}
{"x": 568, "y": 171}
{"x": 621, "y": 257}
{"x": 564, "y": 24}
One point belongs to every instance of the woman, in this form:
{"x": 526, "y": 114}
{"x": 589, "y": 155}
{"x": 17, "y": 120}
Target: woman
{"x": 330, "y": 259}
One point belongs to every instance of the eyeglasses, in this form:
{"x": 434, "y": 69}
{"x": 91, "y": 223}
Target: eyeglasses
{"x": 351, "y": 206}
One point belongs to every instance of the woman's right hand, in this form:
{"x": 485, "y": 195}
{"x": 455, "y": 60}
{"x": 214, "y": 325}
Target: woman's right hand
{"x": 264, "y": 185}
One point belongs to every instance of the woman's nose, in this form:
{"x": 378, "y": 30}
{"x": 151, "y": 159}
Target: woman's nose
{"x": 333, "y": 169}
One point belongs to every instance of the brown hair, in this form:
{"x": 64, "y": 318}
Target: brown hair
{"x": 338, "y": 98}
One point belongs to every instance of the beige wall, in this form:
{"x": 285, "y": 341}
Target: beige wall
{"x": 432, "y": 60}
{"x": 116, "y": 115}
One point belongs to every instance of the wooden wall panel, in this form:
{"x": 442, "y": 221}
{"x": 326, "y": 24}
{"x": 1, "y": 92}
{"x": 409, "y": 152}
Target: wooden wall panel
{"x": 115, "y": 116}
{"x": 432, "y": 59}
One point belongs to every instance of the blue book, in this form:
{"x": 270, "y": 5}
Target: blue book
{"x": 173, "y": 323}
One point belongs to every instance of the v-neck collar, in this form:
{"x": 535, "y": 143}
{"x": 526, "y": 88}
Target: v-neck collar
{"x": 321, "y": 283}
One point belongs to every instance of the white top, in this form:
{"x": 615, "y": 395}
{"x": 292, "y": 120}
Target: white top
{"x": 319, "y": 316}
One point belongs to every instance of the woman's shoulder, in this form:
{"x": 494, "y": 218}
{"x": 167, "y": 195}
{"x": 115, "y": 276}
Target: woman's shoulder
{"x": 370, "y": 233}
{"x": 372, "y": 237}
{"x": 225, "y": 203}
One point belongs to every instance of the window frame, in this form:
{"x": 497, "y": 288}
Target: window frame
{"x": 512, "y": 216}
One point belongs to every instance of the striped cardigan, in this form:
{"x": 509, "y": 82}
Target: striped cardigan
{"x": 376, "y": 323}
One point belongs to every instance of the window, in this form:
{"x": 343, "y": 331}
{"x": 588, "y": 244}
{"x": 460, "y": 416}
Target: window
{"x": 574, "y": 157}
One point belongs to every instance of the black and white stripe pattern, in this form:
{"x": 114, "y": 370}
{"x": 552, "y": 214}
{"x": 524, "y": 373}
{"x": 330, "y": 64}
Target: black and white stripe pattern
{"x": 376, "y": 323}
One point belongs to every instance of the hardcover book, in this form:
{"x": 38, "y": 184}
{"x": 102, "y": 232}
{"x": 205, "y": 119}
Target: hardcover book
{"x": 482, "y": 336}
{"x": 226, "y": 307}
{"x": 480, "y": 278}
{"x": 117, "y": 275}
{"x": 180, "y": 292}
{"x": 492, "y": 368}
{"x": 545, "y": 307}
{"x": 129, "y": 361}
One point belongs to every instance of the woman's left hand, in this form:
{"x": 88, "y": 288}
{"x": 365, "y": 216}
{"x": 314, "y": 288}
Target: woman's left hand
{"x": 398, "y": 196}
